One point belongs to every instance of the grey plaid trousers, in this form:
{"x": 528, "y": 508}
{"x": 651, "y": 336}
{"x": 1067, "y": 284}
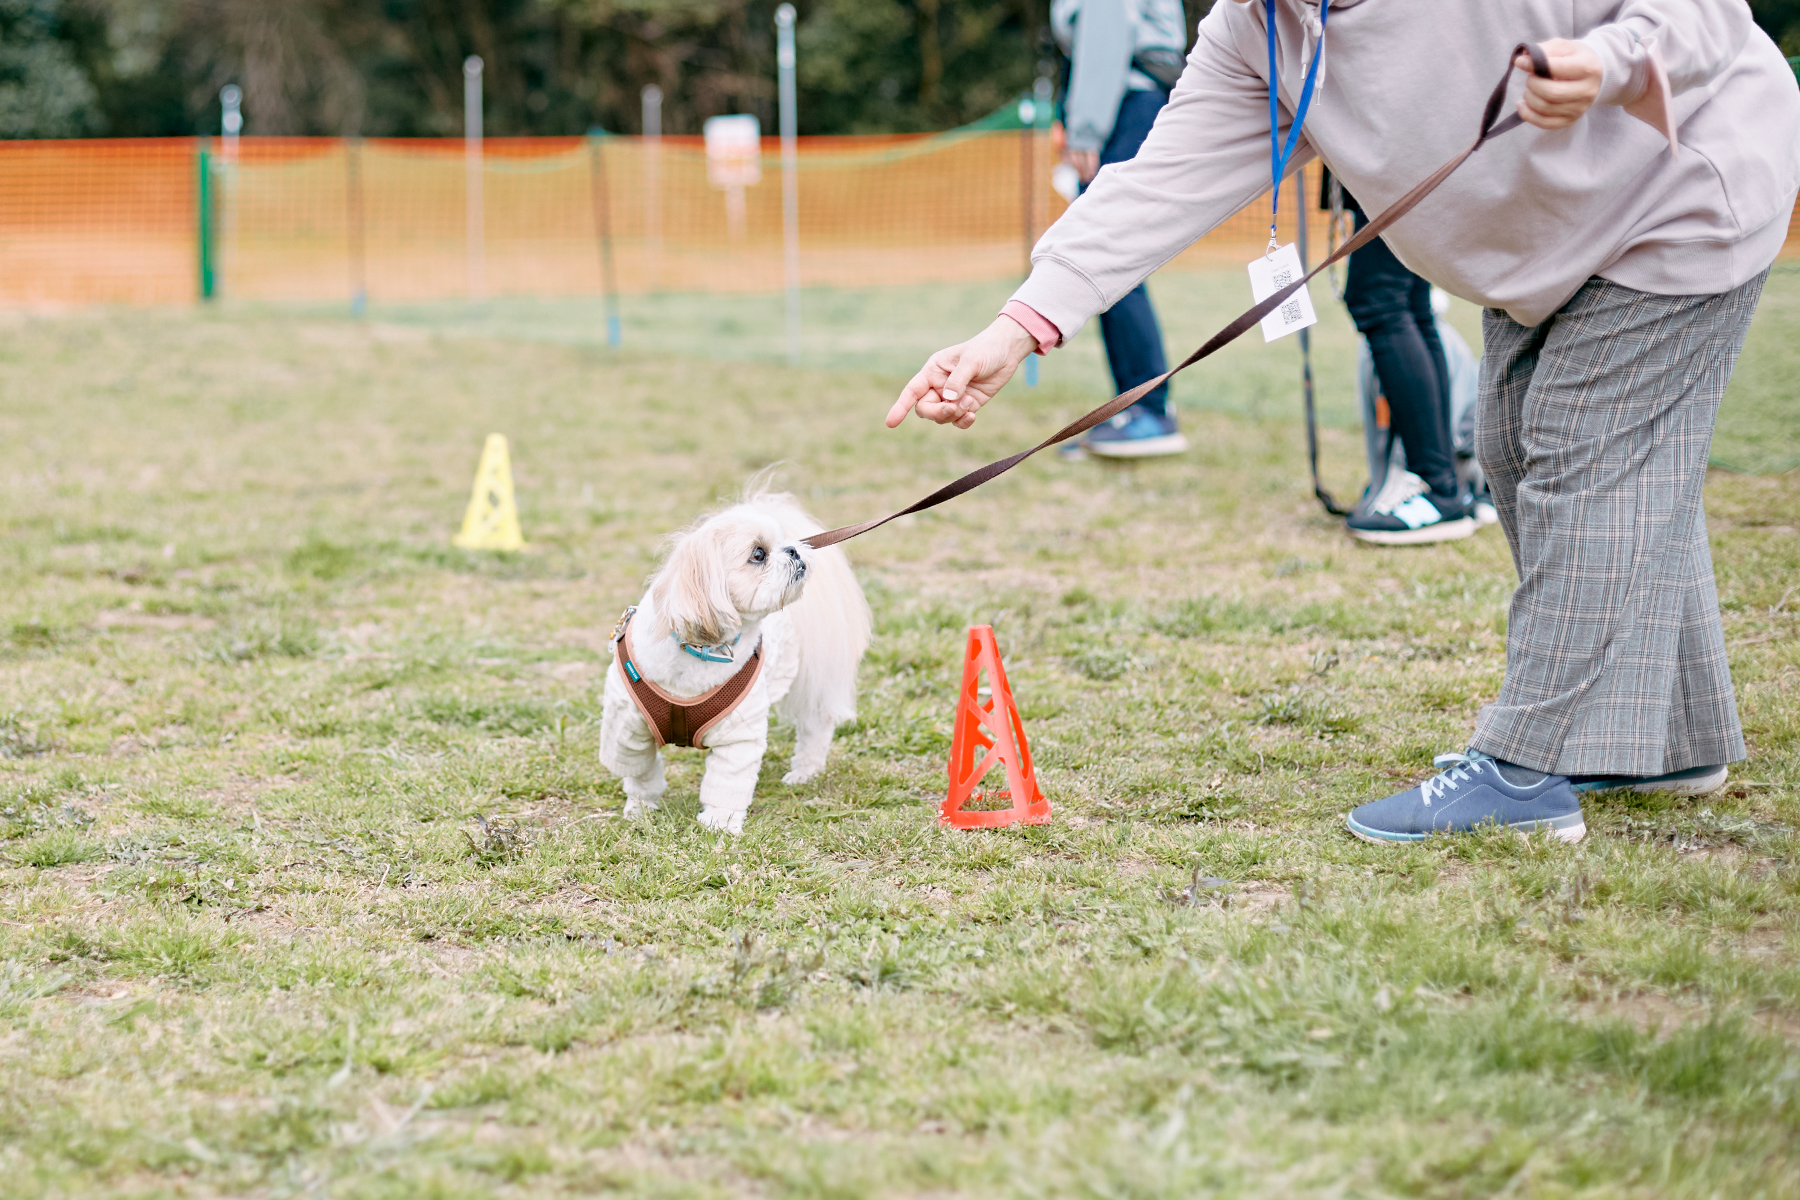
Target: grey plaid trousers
{"x": 1594, "y": 429}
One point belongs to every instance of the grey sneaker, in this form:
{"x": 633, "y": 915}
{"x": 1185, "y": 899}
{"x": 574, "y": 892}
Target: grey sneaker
{"x": 1474, "y": 791}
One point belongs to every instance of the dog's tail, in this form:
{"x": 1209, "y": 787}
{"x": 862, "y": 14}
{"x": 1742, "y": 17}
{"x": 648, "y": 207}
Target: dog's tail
{"x": 835, "y": 617}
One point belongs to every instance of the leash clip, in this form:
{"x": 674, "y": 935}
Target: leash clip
{"x": 624, "y": 619}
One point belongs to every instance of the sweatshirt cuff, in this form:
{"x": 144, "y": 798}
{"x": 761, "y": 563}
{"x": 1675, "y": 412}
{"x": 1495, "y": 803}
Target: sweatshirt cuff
{"x": 1048, "y": 336}
{"x": 1634, "y": 78}
{"x": 1059, "y": 294}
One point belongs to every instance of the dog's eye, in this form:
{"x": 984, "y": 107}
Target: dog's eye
{"x": 758, "y": 555}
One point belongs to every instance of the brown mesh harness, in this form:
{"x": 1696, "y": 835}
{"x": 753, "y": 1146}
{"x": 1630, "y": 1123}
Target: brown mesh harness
{"x": 680, "y": 720}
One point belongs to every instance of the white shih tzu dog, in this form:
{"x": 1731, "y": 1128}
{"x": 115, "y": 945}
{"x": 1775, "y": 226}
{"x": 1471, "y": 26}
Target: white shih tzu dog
{"x": 741, "y": 610}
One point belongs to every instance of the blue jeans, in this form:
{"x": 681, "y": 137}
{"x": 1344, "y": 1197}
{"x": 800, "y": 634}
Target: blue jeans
{"x": 1392, "y": 309}
{"x": 1134, "y": 345}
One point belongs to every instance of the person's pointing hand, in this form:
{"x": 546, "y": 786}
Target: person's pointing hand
{"x": 956, "y": 381}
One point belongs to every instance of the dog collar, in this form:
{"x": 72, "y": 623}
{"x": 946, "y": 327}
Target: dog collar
{"x": 710, "y": 653}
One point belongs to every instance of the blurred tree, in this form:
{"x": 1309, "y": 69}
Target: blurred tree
{"x": 1782, "y": 20}
{"x": 44, "y": 92}
{"x": 880, "y": 68}
{"x": 393, "y": 67}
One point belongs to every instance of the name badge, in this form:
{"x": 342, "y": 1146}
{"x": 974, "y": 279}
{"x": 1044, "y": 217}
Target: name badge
{"x": 1269, "y": 273}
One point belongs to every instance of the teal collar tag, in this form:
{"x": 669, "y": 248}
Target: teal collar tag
{"x": 713, "y": 654}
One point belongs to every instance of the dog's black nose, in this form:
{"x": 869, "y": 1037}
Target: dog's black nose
{"x": 792, "y": 552}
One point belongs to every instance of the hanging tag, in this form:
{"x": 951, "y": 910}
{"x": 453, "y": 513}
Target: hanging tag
{"x": 1269, "y": 273}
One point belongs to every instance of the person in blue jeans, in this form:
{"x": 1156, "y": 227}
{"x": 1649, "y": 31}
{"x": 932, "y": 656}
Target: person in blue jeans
{"x": 1392, "y": 309}
{"x": 1124, "y": 56}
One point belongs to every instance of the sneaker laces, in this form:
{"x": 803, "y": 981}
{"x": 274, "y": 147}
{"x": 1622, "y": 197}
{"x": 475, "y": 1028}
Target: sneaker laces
{"x": 1454, "y": 771}
{"x": 1397, "y": 489}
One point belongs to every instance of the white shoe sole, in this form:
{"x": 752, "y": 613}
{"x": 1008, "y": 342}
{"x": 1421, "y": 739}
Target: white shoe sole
{"x": 1438, "y": 531}
{"x": 1571, "y": 833}
{"x": 1171, "y": 443}
{"x": 1698, "y": 785}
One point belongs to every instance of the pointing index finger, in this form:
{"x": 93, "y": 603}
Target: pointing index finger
{"x": 917, "y": 389}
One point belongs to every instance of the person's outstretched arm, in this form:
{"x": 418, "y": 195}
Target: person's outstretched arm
{"x": 1206, "y": 158}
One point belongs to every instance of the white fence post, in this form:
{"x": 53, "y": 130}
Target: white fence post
{"x": 231, "y": 123}
{"x": 472, "y": 162}
{"x": 652, "y": 98}
{"x": 790, "y": 174}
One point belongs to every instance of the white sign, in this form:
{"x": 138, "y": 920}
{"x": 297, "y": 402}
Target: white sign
{"x": 1269, "y": 273}
{"x": 733, "y": 151}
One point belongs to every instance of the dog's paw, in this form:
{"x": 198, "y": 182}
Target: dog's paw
{"x": 801, "y": 774}
{"x": 638, "y": 806}
{"x": 720, "y": 821}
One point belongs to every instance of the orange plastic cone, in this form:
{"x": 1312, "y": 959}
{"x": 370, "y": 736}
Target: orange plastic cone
{"x": 994, "y": 728}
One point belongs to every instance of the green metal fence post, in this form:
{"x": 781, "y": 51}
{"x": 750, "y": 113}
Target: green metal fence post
{"x": 206, "y": 222}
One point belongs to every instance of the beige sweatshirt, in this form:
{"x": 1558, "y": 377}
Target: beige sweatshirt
{"x": 1530, "y": 217}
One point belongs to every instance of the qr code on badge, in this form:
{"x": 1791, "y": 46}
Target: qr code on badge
{"x": 1290, "y": 312}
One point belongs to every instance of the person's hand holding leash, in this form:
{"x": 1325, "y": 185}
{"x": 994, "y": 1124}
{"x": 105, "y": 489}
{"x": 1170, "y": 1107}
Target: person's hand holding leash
{"x": 1573, "y": 86}
{"x": 956, "y": 381}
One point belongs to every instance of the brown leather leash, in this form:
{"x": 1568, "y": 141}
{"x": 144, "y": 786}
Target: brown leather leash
{"x": 1491, "y": 127}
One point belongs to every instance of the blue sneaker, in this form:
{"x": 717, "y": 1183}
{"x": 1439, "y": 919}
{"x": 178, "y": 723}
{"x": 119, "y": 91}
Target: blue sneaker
{"x": 1473, "y": 791}
{"x": 1136, "y": 433}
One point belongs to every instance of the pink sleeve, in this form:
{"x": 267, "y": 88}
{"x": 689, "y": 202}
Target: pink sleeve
{"x": 1048, "y": 336}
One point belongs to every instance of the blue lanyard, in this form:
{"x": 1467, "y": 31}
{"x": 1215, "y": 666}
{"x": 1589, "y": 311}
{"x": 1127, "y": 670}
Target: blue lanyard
{"x": 1279, "y": 154}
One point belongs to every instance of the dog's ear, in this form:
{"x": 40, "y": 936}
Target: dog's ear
{"x": 691, "y": 595}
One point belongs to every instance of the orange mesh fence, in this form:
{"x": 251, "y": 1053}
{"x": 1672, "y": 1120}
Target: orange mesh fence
{"x": 320, "y": 219}
{"x": 95, "y": 221}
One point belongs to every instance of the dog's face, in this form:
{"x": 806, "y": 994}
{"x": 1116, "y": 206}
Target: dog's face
{"x": 736, "y": 566}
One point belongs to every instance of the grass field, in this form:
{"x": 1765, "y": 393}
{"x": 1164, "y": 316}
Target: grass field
{"x": 311, "y": 884}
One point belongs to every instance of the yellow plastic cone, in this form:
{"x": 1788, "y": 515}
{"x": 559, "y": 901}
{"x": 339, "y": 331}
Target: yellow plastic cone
{"x": 492, "y": 522}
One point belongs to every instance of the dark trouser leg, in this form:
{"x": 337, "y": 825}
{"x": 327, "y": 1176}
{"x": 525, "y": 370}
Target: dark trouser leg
{"x": 1594, "y": 428}
{"x": 1392, "y": 309}
{"x": 1134, "y": 345}
{"x": 1426, "y": 322}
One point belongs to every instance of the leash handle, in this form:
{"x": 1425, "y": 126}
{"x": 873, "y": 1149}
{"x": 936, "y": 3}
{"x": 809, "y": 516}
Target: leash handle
{"x": 1491, "y": 127}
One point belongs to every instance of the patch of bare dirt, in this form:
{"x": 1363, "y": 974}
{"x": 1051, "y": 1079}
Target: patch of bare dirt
{"x": 569, "y": 670}
{"x": 1654, "y": 1012}
{"x": 1252, "y": 897}
{"x": 596, "y": 637}
{"x": 1260, "y": 896}
{"x": 1646, "y": 1012}
{"x": 1764, "y": 941}
{"x": 666, "y": 1161}
{"x": 1784, "y": 1025}
{"x": 1453, "y": 872}
{"x": 125, "y": 618}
